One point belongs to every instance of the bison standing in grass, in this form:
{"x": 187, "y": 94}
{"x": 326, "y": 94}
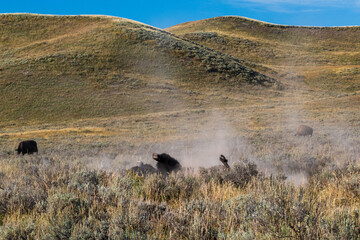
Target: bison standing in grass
{"x": 28, "y": 147}
{"x": 165, "y": 163}
{"x": 304, "y": 130}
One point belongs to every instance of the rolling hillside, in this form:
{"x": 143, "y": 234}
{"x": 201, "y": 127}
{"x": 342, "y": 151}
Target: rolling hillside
{"x": 100, "y": 76}
{"x": 275, "y": 44}
{"x": 326, "y": 57}
{"x": 56, "y": 68}
{"x": 108, "y": 76}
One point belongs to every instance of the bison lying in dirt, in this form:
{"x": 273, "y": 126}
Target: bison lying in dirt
{"x": 166, "y": 163}
{"x": 143, "y": 169}
{"x": 304, "y": 130}
{"x": 28, "y": 147}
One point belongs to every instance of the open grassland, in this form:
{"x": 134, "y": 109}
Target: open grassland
{"x": 100, "y": 93}
{"x": 280, "y": 186}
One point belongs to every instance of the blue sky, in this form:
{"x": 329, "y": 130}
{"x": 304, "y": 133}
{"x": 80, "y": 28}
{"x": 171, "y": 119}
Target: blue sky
{"x": 161, "y": 13}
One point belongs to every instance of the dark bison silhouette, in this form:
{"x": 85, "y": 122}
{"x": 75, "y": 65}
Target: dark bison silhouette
{"x": 165, "y": 163}
{"x": 28, "y": 147}
{"x": 143, "y": 169}
{"x": 304, "y": 130}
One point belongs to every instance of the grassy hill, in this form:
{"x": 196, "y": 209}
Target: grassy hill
{"x": 65, "y": 68}
{"x": 326, "y": 57}
{"x": 275, "y": 44}
{"x": 56, "y": 68}
{"x": 106, "y": 76}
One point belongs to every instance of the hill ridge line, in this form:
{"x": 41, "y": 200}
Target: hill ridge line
{"x": 268, "y": 24}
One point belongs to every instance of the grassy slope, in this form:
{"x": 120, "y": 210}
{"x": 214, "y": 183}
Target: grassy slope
{"x": 328, "y": 58}
{"x": 71, "y": 67}
{"x": 103, "y": 79}
{"x": 65, "y": 75}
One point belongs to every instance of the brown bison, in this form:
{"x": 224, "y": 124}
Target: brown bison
{"x": 143, "y": 169}
{"x": 165, "y": 163}
{"x": 28, "y": 147}
{"x": 304, "y": 130}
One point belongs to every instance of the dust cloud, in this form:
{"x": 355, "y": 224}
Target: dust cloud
{"x": 213, "y": 139}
